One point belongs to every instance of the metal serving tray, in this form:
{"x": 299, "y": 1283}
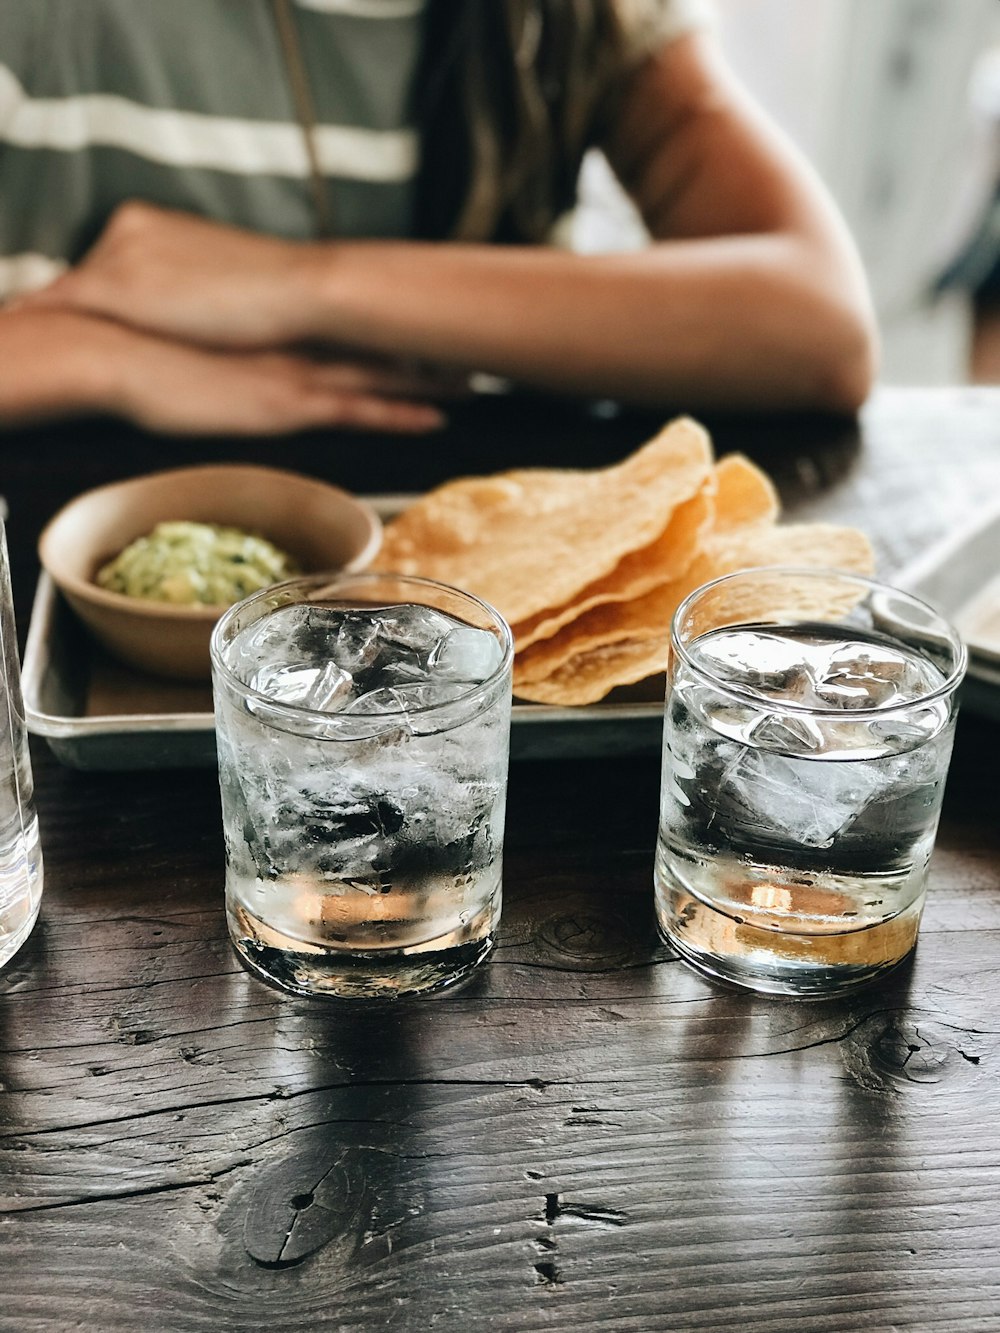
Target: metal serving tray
{"x": 960, "y": 577}
{"x": 95, "y": 713}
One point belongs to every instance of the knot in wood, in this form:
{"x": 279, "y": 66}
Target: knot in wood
{"x": 890, "y": 1051}
{"x": 300, "y": 1205}
{"x": 586, "y": 940}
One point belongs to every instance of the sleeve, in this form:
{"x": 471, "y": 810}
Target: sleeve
{"x": 650, "y": 24}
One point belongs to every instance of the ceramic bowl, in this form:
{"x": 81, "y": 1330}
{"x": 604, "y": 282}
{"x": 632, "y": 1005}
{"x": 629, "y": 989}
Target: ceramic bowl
{"x": 323, "y": 527}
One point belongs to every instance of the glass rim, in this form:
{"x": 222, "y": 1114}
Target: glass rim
{"x": 748, "y": 694}
{"x": 279, "y": 709}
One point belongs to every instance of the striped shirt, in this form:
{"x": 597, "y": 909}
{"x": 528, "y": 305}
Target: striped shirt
{"x": 188, "y": 104}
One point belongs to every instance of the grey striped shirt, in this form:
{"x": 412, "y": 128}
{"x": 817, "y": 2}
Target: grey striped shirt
{"x": 188, "y": 104}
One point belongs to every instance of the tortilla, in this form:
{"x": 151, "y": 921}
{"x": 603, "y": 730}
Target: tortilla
{"x": 673, "y": 552}
{"x": 811, "y": 545}
{"x": 587, "y": 677}
{"x": 532, "y": 539}
{"x": 736, "y": 494}
{"x": 588, "y": 567}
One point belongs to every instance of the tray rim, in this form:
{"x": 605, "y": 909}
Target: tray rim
{"x": 984, "y": 660}
{"x": 983, "y": 666}
{"x": 37, "y": 659}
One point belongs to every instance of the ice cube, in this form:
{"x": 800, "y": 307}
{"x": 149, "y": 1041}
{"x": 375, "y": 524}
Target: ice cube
{"x": 871, "y": 675}
{"x": 788, "y": 733}
{"x": 331, "y": 689}
{"x": 354, "y": 640}
{"x": 386, "y": 815}
{"x": 287, "y": 635}
{"x": 798, "y": 802}
{"x": 769, "y": 663}
{"x": 821, "y": 670}
{"x": 402, "y": 642}
{"x": 406, "y": 698}
{"x": 324, "y": 688}
{"x": 363, "y": 665}
{"x": 284, "y": 684}
{"x": 419, "y": 628}
{"x": 286, "y": 653}
{"x": 466, "y": 654}
{"x": 847, "y": 690}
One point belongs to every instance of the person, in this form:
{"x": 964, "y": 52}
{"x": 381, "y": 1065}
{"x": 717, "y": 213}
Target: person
{"x": 278, "y": 214}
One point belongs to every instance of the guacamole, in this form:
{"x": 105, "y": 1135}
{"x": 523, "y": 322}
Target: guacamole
{"x": 196, "y": 564}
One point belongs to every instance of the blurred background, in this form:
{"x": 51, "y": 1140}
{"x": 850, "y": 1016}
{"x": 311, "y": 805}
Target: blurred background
{"x": 897, "y": 105}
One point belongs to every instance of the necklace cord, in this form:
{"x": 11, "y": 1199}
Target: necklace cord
{"x": 305, "y": 110}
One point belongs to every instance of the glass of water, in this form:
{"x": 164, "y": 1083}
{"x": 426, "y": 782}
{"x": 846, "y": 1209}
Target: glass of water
{"x": 20, "y": 853}
{"x": 807, "y": 735}
{"x": 363, "y": 727}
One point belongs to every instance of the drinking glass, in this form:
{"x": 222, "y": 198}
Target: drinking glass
{"x": 807, "y": 734}
{"x": 20, "y": 853}
{"x": 363, "y": 727}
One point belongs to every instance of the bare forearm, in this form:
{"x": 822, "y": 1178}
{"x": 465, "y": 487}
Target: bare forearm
{"x": 752, "y": 295}
{"x": 56, "y": 363}
{"x": 739, "y": 321}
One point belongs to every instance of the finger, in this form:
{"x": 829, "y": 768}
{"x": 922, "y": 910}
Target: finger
{"x": 364, "y": 411}
{"x": 399, "y": 382}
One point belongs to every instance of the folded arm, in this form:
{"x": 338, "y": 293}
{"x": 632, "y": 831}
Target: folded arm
{"x": 59, "y": 362}
{"x": 749, "y": 296}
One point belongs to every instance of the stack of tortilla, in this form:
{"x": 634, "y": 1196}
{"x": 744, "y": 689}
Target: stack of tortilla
{"x": 588, "y": 566}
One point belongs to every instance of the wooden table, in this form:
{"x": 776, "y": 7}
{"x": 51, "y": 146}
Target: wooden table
{"x": 588, "y": 1136}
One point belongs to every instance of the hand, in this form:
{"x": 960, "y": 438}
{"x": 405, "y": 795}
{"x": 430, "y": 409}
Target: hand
{"x": 62, "y": 363}
{"x": 187, "y": 278}
{"x": 183, "y": 390}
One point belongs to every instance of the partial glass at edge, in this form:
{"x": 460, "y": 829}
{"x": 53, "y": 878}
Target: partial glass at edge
{"x": 804, "y": 761}
{"x": 363, "y": 849}
{"x": 20, "y": 851}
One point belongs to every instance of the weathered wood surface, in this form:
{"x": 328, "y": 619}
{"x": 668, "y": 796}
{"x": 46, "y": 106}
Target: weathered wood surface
{"x": 586, "y": 1136}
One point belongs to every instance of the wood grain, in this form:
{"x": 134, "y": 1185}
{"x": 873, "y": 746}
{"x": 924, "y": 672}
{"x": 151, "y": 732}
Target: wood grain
{"x": 587, "y": 1136}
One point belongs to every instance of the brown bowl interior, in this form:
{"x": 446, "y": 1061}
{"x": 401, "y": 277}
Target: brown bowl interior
{"x": 323, "y": 527}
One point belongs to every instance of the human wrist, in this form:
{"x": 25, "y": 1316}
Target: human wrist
{"x": 103, "y": 374}
{"x": 57, "y": 364}
{"x": 336, "y": 284}
{"x": 309, "y": 300}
